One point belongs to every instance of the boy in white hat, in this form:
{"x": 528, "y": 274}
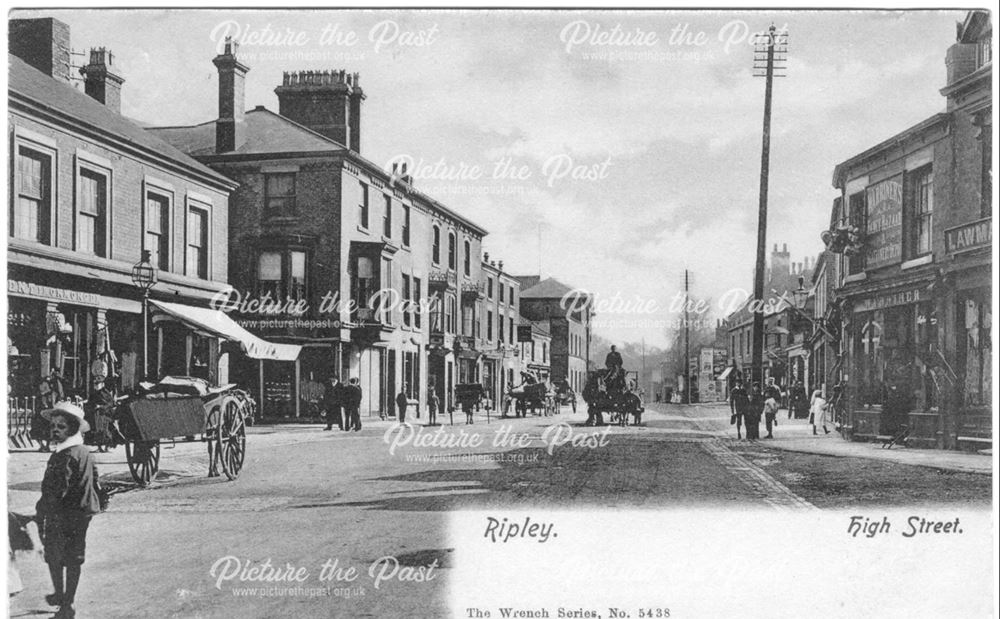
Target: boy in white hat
{"x": 69, "y": 500}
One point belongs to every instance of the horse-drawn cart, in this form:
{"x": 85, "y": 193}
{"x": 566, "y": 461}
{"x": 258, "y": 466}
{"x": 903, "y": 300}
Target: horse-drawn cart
{"x": 177, "y": 408}
{"x": 534, "y": 396}
{"x": 616, "y": 395}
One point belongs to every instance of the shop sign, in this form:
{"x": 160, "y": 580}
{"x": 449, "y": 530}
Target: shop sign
{"x": 969, "y": 236}
{"x": 905, "y": 297}
{"x": 50, "y": 293}
{"x": 884, "y": 229}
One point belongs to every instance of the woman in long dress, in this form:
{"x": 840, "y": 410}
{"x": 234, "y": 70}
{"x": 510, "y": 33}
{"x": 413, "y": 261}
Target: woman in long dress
{"x": 817, "y": 411}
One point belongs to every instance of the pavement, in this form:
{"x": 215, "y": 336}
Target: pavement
{"x": 796, "y": 435}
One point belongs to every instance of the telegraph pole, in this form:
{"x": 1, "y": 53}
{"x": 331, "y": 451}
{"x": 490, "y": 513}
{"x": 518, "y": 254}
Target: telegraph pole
{"x": 771, "y": 49}
{"x": 687, "y": 343}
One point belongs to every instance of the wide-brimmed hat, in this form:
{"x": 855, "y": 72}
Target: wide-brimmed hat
{"x": 67, "y": 408}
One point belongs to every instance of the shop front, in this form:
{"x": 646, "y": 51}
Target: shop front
{"x": 895, "y": 376}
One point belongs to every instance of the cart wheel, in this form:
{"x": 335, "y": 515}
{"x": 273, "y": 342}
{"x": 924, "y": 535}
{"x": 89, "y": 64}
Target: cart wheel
{"x": 232, "y": 437}
{"x": 143, "y": 460}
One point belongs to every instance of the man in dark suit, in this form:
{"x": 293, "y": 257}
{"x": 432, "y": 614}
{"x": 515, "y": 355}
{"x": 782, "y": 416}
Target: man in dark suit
{"x": 332, "y": 403}
{"x": 739, "y": 402}
{"x": 401, "y": 402}
{"x": 352, "y": 400}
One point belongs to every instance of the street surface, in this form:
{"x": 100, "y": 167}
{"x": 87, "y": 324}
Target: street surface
{"x": 307, "y": 496}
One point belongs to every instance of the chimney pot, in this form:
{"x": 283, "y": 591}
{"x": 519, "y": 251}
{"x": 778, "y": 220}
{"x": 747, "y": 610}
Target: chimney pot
{"x": 99, "y": 82}
{"x": 42, "y": 43}
{"x": 784, "y": 248}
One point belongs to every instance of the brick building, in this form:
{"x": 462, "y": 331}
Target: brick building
{"x": 569, "y": 313}
{"x": 501, "y": 362}
{"x": 785, "y": 330}
{"x": 89, "y": 191}
{"x": 913, "y": 233}
{"x": 374, "y": 279}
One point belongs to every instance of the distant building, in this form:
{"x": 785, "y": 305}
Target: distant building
{"x": 568, "y": 313}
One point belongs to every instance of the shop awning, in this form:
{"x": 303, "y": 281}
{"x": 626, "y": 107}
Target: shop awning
{"x": 214, "y": 322}
{"x": 725, "y": 374}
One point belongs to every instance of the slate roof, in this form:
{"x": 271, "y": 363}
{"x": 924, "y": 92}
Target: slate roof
{"x": 33, "y": 87}
{"x": 266, "y": 133}
{"x": 550, "y": 288}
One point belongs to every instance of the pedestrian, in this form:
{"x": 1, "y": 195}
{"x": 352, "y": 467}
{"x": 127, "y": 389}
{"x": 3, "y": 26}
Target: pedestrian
{"x": 352, "y": 400}
{"x": 69, "y": 500}
{"x": 401, "y": 402}
{"x": 433, "y": 404}
{"x": 817, "y": 411}
{"x": 770, "y": 415}
{"x": 754, "y": 412}
{"x": 739, "y": 401}
{"x": 332, "y": 393}
{"x": 798, "y": 402}
{"x": 772, "y": 391}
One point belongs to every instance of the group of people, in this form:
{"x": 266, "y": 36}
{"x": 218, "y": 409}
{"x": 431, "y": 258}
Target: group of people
{"x": 747, "y": 409}
{"x": 342, "y": 404}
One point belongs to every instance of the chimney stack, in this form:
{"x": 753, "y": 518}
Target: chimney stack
{"x": 99, "y": 82}
{"x": 42, "y": 43}
{"x": 328, "y": 102}
{"x": 230, "y": 128}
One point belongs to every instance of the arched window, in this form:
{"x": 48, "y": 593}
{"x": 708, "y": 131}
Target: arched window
{"x": 436, "y": 247}
{"x": 451, "y": 251}
{"x": 466, "y": 259}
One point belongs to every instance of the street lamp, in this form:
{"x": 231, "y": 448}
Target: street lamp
{"x": 800, "y": 295}
{"x": 144, "y": 277}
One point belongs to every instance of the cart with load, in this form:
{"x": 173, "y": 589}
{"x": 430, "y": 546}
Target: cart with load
{"x": 176, "y": 408}
{"x": 534, "y": 396}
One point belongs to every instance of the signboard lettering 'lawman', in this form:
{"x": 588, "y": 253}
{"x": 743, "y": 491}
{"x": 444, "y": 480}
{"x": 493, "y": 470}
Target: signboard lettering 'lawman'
{"x": 970, "y": 236}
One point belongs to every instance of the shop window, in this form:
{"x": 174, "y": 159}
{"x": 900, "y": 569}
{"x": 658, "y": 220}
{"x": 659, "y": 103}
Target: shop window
{"x": 387, "y": 218}
{"x": 976, "y": 318}
{"x": 436, "y": 246}
{"x": 279, "y": 194}
{"x": 452, "y": 258}
{"x": 197, "y": 243}
{"x": 920, "y": 210}
{"x": 91, "y": 213}
{"x": 466, "y": 258}
{"x": 32, "y": 209}
{"x": 157, "y": 240}
{"x": 363, "y": 206}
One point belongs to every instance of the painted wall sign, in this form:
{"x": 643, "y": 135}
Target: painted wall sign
{"x": 51, "y": 293}
{"x": 970, "y": 236}
{"x": 884, "y": 228}
{"x": 904, "y": 297}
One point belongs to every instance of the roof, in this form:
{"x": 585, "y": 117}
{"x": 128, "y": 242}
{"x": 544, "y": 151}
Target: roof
{"x": 266, "y": 133}
{"x": 538, "y": 326}
{"x": 550, "y": 288}
{"x": 527, "y": 281}
{"x": 30, "y": 85}
{"x": 842, "y": 168}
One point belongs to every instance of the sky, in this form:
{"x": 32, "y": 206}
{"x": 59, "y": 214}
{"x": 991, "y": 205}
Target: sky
{"x": 611, "y": 150}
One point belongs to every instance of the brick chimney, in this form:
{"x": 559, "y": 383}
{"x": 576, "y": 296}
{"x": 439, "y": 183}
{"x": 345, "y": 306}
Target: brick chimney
{"x": 328, "y": 102}
{"x": 99, "y": 80}
{"x": 230, "y": 128}
{"x": 960, "y": 61}
{"x": 780, "y": 264}
{"x": 42, "y": 43}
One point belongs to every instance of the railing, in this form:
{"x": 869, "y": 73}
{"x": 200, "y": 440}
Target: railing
{"x": 20, "y": 412}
